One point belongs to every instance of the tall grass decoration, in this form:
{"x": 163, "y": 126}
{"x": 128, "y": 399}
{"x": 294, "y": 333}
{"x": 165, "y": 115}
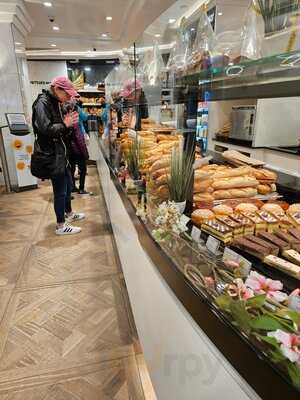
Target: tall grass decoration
{"x": 134, "y": 159}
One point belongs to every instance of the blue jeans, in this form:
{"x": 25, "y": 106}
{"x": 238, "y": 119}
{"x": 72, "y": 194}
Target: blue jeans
{"x": 62, "y": 188}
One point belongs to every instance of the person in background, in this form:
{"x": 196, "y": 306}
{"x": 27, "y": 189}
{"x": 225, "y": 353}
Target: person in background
{"x": 79, "y": 151}
{"x": 135, "y": 99}
{"x": 52, "y": 129}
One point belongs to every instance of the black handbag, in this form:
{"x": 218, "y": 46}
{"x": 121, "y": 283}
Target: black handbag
{"x": 47, "y": 165}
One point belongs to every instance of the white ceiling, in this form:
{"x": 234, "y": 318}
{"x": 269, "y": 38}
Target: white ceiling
{"x": 82, "y": 22}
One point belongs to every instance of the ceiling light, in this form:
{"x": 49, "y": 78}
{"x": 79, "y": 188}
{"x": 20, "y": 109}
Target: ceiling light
{"x": 18, "y": 43}
{"x": 108, "y": 18}
{"x": 172, "y": 20}
{"x": 104, "y": 35}
{"x": 47, "y": 4}
{"x": 157, "y": 35}
{"x": 192, "y": 29}
{"x": 220, "y": 13}
{"x": 87, "y": 68}
{"x": 53, "y": 45}
{"x": 55, "y": 28}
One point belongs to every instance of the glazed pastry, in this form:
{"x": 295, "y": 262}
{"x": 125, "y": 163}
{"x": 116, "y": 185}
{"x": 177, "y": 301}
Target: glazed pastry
{"x": 282, "y": 264}
{"x": 294, "y": 232}
{"x": 246, "y": 207}
{"x": 292, "y": 255}
{"x": 248, "y": 226}
{"x": 294, "y": 217}
{"x": 272, "y": 248}
{"x": 234, "y": 225}
{"x": 201, "y": 215}
{"x": 260, "y": 224}
{"x": 294, "y": 208}
{"x": 272, "y": 222}
{"x": 251, "y": 248}
{"x": 272, "y": 208}
{"x": 286, "y": 237}
{"x": 222, "y": 210}
{"x": 275, "y": 240}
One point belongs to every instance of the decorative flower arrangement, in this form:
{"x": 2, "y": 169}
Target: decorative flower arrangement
{"x": 257, "y": 307}
{"x": 167, "y": 221}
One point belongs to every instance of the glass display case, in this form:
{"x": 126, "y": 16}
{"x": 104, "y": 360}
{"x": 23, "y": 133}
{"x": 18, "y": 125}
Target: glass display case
{"x": 202, "y": 140}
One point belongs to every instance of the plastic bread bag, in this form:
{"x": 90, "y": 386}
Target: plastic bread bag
{"x": 252, "y": 33}
{"x": 227, "y": 49}
{"x": 156, "y": 67}
{"x": 178, "y": 55}
{"x": 204, "y": 44}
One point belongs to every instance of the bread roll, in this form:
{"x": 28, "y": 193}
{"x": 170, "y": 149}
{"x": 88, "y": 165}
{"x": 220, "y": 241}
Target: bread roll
{"x": 203, "y": 197}
{"x": 246, "y": 207}
{"x": 264, "y": 189}
{"x": 201, "y": 215}
{"x": 234, "y": 193}
{"x": 235, "y": 182}
{"x": 232, "y": 172}
{"x": 221, "y": 209}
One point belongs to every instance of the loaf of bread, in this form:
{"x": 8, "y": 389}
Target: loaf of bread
{"x": 232, "y": 172}
{"x": 203, "y": 197}
{"x": 234, "y": 193}
{"x": 264, "y": 189}
{"x": 202, "y": 186}
{"x": 235, "y": 182}
{"x": 163, "y": 162}
{"x": 264, "y": 174}
{"x": 162, "y": 192}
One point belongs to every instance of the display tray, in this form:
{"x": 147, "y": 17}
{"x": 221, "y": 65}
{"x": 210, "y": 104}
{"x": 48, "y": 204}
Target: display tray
{"x": 251, "y": 363}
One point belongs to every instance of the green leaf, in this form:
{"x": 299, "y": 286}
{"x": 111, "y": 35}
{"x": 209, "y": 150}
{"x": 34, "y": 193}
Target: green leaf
{"x": 224, "y": 302}
{"x": 270, "y": 340}
{"x": 294, "y": 373}
{"x": 257, "y": 301}
{"x": 240, "y": 314}
{"x": 293, "y": 315}
{"x": 277, "y": 356}
{"x": 266, "y": 323}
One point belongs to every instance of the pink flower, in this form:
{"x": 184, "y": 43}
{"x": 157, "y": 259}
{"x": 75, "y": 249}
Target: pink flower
{"x": 289, "y": 344}
{"x": 240, "y": 290}
{"x": 260, "y": 284}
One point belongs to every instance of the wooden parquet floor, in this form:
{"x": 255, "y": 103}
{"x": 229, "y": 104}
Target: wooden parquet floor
{"x": 66, "y": 331}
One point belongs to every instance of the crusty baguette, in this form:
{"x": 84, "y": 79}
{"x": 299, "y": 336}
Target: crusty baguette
{"x": 201, "y": 186}
{"x": 234, "y": 182}
{"x": 163, "y": 162}
{"x": 203, "y": 197}
{"x": 159, "y": 172}
{"x": 231, "y": 172}
{"x": 234, "y": 193}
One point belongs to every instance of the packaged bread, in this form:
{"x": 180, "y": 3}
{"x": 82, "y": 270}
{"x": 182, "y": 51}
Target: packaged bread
{"x": 201, "y": 215}
{"x": 234, "y": 182}
{"x": 234, "y": 193}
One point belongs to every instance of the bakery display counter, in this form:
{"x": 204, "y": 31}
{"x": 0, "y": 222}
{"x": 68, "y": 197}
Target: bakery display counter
{"x": 179, "y": 292}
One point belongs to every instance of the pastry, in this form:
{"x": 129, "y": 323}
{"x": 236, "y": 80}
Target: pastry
{"x": 272, "y": 222}
{"x": 286, "y": 237}
{"x": 247, "y": 225}
{"x": 260, "y": 224}
{"x": 284, "y": 222}
{"x": 201, "y": 215}
{"x": 275, "y": 240}
{"x": 272, "y": 208}
{"x": 294, "y": 217}
{"x": 222, "y": 210}
{"x": 217, "y": 229}
{"x": 283, "y": 265}
{"x": 251, "y": 248}
{"x": 294, "y": 208}
{"x": 234, "y": 182}
{"x": 292, "y": 255}
{"x": 236, "y": 227}
{"x": 272, "y": 248}
{"x": 246, "y": 207}
{"x": 234, "y": 193}
{"x": 294, "y": 232}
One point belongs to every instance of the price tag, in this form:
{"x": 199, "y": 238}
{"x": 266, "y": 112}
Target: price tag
{"x": 294, "y": 303}
{"x": 244, "y": 264}
{"x": 184, "y": 219}
{"x": 212, "y": 244}
{"x": 196, "y": 233}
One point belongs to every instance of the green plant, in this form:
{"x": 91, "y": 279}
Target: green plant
{"x": 134, "y": 159}
{"x": 181, "y": 173}
{"x": 276, "y": 13}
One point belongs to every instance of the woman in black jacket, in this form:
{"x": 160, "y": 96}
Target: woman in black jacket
{"x": 53, "y": 131}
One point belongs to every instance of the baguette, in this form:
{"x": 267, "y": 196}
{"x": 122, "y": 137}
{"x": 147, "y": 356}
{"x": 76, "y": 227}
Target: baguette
{"x": 233, "y": 172}
{"x": 234, "y": 193}
{"x": 203, "y": 197}
{"x": 235, "y": 182}
{"x": 203, "y": 186}
{"x": 264, "y": 174}
{"x": 163, "y": 162}
{"x": 159, "y": 172}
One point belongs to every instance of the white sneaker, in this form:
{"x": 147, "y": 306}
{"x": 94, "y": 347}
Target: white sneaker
{"x": 67, "y": 229}
{"x": 75, "y": 217}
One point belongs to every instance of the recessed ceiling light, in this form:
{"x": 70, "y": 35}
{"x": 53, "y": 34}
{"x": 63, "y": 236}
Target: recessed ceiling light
{"x": 87, "y": 68}
{"x": 55, "y": 28}
{"x": 192, "y": 29}
{"x": 53, "y": 45}
{"x": 108, "y": 18}
{"x": 47, "y": 4}
{"x": 157, "y": 35}
{"x": 172, "y": 20}
{"x": 18, "y": 43}
{"x": 220, "y": 13}
{"x": 104, "y": 35}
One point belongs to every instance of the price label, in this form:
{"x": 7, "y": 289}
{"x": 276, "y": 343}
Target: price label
{"x": 245, "y": 265}
{"x": 294, "y": 303}
{"x": 196, "y": 233}
{"x": 184, "y": 219}
{"x": 212, "y": 244}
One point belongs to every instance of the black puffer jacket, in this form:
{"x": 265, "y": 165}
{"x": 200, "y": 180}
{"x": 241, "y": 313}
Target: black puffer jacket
{"x": 48, "y": 124}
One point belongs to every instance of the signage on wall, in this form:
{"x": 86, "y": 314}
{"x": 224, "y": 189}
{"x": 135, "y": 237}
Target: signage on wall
{"x": 212, "y": 16}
